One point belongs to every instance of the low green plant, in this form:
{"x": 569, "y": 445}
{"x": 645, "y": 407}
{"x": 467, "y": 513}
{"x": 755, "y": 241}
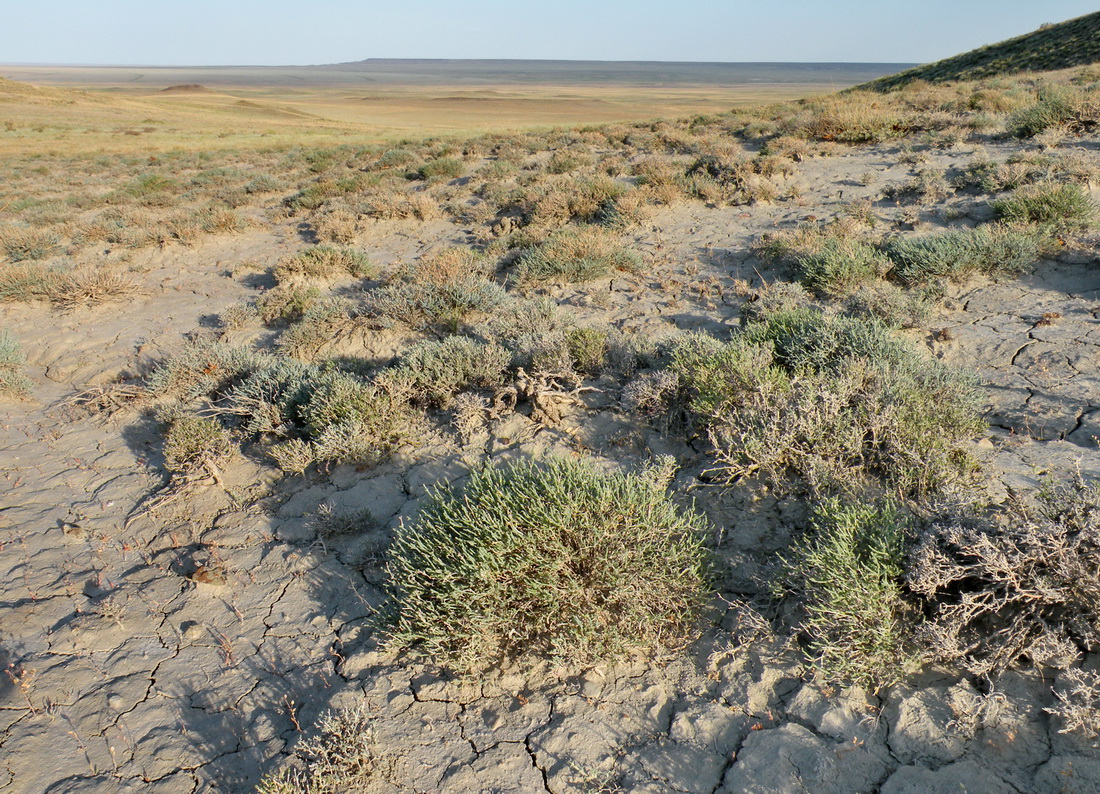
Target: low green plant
{"x": 325, "y": 262}
{"x": 841, "y": 265}
{"x": 344, "y": 420}
{"x": 395, "y": 158}
{"x": 575, "y": 254}
{"x": 892, "y": 304}
{"x": 13, "y": 382}
{"x": 565, "y": 198}
{"x": 1063, "y": 207}
{"x": 849, "y": 571}
{"x": 202, "y": 369}
{"x": 563, "y": 162}
{"x": 262, "y": 183}
{"x": 588, "y": 349}
{"x": 324, "y": 414}
{"x": 441, "y": 168}
{"x": 195, "y": 444}
{"x": 992, "y": 249}
{"x": 553, "y": 559}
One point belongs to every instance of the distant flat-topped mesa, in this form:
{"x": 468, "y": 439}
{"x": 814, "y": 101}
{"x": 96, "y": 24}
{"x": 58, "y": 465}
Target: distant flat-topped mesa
{"x": 1067, "y": 44}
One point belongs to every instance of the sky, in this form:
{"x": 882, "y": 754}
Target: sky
{"x": 300, "y": 32}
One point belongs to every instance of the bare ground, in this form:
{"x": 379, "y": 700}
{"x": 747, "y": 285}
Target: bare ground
{"x": 183, "y": 645}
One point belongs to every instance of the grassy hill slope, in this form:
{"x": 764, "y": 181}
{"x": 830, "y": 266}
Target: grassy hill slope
{"x": 1072, "y": 43}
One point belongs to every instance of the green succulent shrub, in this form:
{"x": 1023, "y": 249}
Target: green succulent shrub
{"x": 849, "y": 571}
{"x": 552, "y": 559}
{"x": 1065, "y": 207}
{"x": 957, "y": 253}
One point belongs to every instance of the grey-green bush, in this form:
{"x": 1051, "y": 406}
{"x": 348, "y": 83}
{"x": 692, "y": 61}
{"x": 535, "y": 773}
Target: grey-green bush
{"x": 841, "y": 265}
{"x": 435, "y": 371}
{"x": 826, "y": 398}
{"x": 422, "y": 305}
{"x": 575, "y": 254}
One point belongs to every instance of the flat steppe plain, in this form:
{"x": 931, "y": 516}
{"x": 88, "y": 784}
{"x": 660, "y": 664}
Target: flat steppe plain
{"x": 232, "y": 107}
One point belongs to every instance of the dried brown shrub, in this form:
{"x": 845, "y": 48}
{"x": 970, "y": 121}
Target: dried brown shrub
{"x": 1024, "y": 586}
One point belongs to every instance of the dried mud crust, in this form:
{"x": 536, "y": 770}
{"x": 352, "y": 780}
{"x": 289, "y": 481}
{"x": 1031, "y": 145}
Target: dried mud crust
{"x": 188, "y": 648}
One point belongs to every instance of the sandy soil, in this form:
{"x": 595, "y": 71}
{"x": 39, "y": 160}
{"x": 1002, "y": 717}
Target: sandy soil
{"x": 186, "y": 648}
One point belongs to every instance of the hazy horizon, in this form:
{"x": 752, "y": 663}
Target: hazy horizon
{"x": 122, "y": 65}
{"x": 329, "y": 32}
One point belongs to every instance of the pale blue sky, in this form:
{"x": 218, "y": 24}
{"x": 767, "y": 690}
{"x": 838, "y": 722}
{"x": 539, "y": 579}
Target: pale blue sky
{"x": 233, "y": 32}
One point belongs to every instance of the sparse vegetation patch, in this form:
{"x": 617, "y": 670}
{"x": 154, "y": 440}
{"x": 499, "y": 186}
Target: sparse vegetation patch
{"x": 1026, "y": 586}
{"x": 822, "y": 397}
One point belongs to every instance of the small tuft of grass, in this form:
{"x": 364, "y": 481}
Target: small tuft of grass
{"x": 557, "y": 560}
{"x": 22, "y": 244}
{"x": 13, "y": 382}
{"x": 575, "y": 254}
{"x": 325, "y": 262}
